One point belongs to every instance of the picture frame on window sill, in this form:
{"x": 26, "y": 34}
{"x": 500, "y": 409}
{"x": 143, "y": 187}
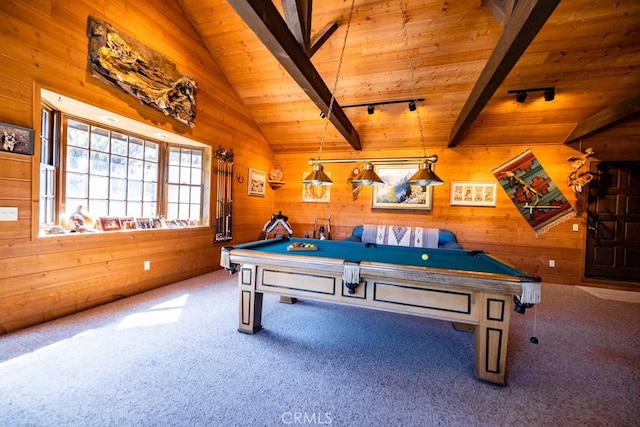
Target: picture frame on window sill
{"x": 110, "y": 224}
{"x": 396, "y": 193}
{"x": 473, "y": 194}
{"x": 257, "y": 182}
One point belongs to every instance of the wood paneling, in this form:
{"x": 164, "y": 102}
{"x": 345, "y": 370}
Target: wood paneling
{"x": 43, "y": 44}
{"x": 587, "y": 50}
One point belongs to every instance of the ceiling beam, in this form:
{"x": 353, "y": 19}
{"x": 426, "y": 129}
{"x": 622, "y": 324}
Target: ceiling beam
{"x": 297, "y": 14}
{"x": 525, "y": 23}
{"x": 321, "y": 37}
{"x": 605, "y": 117}
{"x": 267, "y": 23}
{"x": 500, "y": 9}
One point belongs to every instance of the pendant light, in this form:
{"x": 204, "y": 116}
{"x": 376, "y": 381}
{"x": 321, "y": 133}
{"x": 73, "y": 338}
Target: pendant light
{"x": 367, "y": 176}
{"x": 425, "y": 174}
{"x": 318, "y": 176}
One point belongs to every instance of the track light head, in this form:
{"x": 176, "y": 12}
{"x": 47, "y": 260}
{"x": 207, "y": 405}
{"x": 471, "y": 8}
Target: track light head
{"x": 550, "y": 94}
{"x": 370, "y": 109}
{"x": 412, "y": 105}
{"x": 521, "y": 96}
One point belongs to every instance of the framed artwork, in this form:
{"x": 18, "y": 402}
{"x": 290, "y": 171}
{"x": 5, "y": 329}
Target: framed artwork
{"x": 144, "y": 223}
{"x": 257, "y": 181}
{"x": 110, "y": 224}
{"x": 396, "y": 193}
{"x": 473, "y": 194}
{"x": 128, "y": 223}
{"x": 16, "y": 139}
{"x": 316, "y": 193}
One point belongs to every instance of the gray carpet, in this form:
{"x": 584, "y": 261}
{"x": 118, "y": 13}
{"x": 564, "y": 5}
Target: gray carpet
{"x": 173, "y": 357}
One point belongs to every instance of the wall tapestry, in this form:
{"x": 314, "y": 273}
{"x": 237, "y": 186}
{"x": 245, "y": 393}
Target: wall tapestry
{"x": 121, "y": 61}
{"x": 535, "y": 195}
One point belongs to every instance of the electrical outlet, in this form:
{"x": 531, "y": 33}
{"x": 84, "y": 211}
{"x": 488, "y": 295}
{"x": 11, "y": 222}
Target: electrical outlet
{"x": 147, "y": 265}
{"x": 552, "y": 263}
{"x": 576, "y": 227}
{"x": 8, "y": 214}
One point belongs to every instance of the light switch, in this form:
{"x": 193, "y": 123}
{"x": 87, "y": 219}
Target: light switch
{"x": 8, "y": 214}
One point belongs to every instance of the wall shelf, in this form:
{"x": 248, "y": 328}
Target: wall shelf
{"x": 275, "y": 184}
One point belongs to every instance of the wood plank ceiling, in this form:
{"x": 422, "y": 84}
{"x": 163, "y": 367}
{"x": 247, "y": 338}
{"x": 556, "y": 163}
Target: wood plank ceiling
{"x": 466, "y": 56}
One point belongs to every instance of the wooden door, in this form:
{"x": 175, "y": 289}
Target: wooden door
{"x": 613, "y": 221}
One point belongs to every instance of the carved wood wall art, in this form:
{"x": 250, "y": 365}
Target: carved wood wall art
{"x": 119, "y": 60}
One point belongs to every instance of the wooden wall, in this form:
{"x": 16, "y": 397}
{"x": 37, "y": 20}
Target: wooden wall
{"x": 500, "y": 230}
{"x": 44, "y": 44}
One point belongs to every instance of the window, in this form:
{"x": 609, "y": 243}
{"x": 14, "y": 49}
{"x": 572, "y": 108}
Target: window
{"x": 48, "y": 169}
{"x": 111, "y": 174}
{"x": 184, "y": 183}
{"x": 117, "y": 173}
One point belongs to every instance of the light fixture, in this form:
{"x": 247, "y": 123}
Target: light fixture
{"x": 425, "y": 176}
{"x": 521, "y": 94}
{"x": 550, "y": 94}
{"x": 318, "y": 176}
{"x": 367, "y": 176}
{"x": 412, "y": 104}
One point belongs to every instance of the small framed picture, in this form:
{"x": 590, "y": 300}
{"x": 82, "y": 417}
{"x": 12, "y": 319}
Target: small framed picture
{"x": 110, "y": 224}
{"x": 473, "y": 194}
{"x": 396, "y": 193}
{"x": 316, "y": 193}
{"x": 16, "y": 139}
{"x": 144, "y": 223}
{"x": 256, "y": 184}
{"x": 128, "y": 223}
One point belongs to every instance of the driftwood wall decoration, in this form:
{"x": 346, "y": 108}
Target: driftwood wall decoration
{"x": 120, "y": 60}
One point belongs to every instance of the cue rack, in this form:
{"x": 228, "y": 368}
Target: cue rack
{"x": 224, "y": 201}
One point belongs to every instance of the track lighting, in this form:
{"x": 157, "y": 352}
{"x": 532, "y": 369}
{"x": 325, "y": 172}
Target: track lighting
{"x": 550, "y": 94}
{"x": 371, "y": 105}
{"x": 521, "y": 94}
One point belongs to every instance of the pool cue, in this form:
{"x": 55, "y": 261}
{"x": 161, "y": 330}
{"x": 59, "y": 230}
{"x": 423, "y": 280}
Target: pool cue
{"x": 229, "y": 198}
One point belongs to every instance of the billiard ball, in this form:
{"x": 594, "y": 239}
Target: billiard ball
{"x": 425, "y": 257}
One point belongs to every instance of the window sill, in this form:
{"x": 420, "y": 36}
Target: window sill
{"x": 55, "y": 232}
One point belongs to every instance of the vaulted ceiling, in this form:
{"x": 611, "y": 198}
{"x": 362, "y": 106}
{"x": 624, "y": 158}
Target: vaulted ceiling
{"x": 461, "y": 56}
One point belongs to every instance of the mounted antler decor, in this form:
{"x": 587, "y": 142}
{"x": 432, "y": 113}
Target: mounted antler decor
{"x": 577, "y": 180}
{"x": 121, "y": 61}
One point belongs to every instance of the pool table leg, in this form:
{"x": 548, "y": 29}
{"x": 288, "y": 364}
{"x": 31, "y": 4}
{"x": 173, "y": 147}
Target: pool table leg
{"x": 491, "y": 336}
{"x": 250, "y": 301}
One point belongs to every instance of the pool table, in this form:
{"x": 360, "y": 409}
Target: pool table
{"x": 468, "y": 287}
